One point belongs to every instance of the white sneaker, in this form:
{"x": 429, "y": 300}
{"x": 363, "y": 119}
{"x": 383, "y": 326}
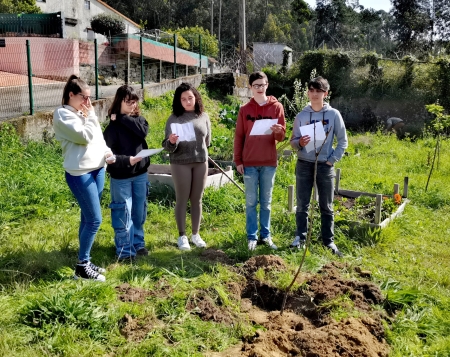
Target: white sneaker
{"x": 298, "y": 243}
{"x": 252, "y": 245}
{"x": 183, "y": 243}
{"x": 268, "y": 241}
{"x": 198, "y": 241}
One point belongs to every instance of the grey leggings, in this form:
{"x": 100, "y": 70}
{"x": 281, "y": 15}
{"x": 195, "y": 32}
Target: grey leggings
{"x": 189, "y": 180}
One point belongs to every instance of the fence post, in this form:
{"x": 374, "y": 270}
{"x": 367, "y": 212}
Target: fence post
{"x": 30, "y": 78}
{"x": 96, "y": 68}
{"x": 142, "y": 64}
{"x": 200, "y": 53}
{"x": 338, "y": 181}
{"x": 378, "y": 202}
{"x": 174, "y": 56}
{"x": 290, "y": 198}
{"x": 405, "y": 187}
{"x": 396, "y": 189}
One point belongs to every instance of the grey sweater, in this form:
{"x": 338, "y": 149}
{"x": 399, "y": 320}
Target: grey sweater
{"x": 187, "y": 152}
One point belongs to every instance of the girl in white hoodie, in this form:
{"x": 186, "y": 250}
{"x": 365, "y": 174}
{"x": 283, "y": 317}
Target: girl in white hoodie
{"x": 85, "y": 152}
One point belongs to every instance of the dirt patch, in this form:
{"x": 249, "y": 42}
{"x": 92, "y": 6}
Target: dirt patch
{"x": 162, "y": 289}
{"x": 134, "y": 329}
{"x": 329, "y": 285}
{"x": 215, "y": 256}
{"x": 205, "y": 307}
{"x": 266, "y": 262}
{"x": 305, "y": 328}
{"x": 127, "y": 293}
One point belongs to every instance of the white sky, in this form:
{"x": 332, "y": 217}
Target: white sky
{"x": 375, "y": 4}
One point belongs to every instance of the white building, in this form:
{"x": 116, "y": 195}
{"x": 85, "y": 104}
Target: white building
{"x": 270, "y": 54}
{"x": 77, "y": 15}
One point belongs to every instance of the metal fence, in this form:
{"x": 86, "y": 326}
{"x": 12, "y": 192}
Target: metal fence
{"x": 35, "y": 25}
{"x": 34, "y": 70}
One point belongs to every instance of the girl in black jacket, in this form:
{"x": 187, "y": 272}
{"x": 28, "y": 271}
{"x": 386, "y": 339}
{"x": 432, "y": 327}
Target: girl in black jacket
{"x": 125, "y": 135}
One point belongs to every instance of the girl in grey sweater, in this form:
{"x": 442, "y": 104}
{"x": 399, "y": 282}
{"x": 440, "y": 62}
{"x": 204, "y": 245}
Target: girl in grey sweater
{"x": 187, "y": 137}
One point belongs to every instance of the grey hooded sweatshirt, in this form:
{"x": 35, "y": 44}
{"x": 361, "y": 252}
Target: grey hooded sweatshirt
{"x": 332, "y": 121}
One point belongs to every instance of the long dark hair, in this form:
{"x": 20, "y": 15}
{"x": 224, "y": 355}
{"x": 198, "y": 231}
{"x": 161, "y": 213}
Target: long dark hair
{"x": 124, "y": 93}
{"x": 75, "y": 85}
{"x": 177, "y": 107}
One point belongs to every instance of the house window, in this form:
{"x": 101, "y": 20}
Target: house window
{"x": 87, "y": 4}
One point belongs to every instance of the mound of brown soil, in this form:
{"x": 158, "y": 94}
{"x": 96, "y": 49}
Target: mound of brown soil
{"x": 265, "y": 262}
{"x": 204, "y": 306}
{"x": 215, "y": 256}
{"x": 127, "y": 293}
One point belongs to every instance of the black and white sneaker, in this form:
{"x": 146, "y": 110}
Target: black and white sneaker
{"x": 97, "y": 269}
{"x": 85, "y": 271}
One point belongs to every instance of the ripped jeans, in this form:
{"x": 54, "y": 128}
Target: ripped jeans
{"x": 128, "y": 213}
{"x": 258, "y": 182}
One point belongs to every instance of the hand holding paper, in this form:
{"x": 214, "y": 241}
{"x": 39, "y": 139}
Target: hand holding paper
{"x": 262, "y": 126}
{"x": 185, "y": 131}
{"x": 148, "y": 152}
{"x": 316, "y": 133}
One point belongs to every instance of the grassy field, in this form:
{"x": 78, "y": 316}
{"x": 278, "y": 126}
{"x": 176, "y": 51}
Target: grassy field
{"x": 47, "y": 313}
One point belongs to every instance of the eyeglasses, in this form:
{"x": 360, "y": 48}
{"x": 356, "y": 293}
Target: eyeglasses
{"x": 85, "y": 97}
{"x": 130, "y": 102}
{"x": 259, "y": 86}
{"x": 314, "y": 90}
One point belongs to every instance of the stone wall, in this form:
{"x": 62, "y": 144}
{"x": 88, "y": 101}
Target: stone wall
{"x": 229, "y": 84}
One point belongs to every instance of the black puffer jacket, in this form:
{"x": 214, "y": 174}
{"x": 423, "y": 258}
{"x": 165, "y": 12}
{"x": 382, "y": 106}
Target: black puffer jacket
{"x": 126, "y": 137}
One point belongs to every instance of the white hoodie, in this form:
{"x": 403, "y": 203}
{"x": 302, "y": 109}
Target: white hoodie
{"x": 81, "y": 138}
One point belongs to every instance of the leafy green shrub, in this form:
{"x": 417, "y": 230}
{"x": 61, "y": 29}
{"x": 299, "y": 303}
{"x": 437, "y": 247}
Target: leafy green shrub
{"x": 107, "y": 25}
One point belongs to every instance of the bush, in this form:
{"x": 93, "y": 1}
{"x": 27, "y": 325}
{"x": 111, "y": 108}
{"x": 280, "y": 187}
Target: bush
{"x": 107, "y": 25}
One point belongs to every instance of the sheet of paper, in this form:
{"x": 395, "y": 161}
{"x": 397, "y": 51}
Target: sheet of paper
{"x": 148, "y": 152}
{"x": 185, "y": 131}
{"x": 262, "y": 126}
{"x": 318, "y": 136}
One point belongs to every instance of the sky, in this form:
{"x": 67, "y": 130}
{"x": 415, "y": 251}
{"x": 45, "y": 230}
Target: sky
{"x": 374, "y": 4}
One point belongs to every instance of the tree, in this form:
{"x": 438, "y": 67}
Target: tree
{"x": 19, "y": 6}
{"x": 413, "y": 25}
{"x": 107, "y": 25}
{"x": 301, "y": 11}
{"x": 188, "y": 38}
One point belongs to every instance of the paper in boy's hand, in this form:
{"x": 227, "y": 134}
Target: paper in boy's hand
{"x": 148, "y": 152}
{"x": 185, "y": 131}
{"x": 316, "y": 133}
{"x": 262, "y": 126}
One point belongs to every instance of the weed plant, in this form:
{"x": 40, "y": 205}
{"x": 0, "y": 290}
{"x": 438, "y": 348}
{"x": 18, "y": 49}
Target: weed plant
{"x": 46, "y": 313}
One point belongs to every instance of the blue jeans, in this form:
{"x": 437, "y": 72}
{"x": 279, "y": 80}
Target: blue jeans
{"x": 87, "y": 190}
{"x": 258, "y": 182}
{"x": 128, "y": 213}
{"x": 304, "y": 174}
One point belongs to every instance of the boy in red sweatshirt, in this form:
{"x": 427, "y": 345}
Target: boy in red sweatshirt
{"x": 255, "y": 155}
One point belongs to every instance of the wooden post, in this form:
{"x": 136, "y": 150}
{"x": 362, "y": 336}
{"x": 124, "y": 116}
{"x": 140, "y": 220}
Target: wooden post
{"x": 396, "y": 188}
{"x": 338, "y": 180}
{"x": 378, "y": 203}
{"x": 405, "y": 187}
{"x": 291, "y": 198}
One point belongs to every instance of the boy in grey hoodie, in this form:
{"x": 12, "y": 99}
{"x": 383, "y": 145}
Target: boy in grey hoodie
{"x": 317, "y": 111}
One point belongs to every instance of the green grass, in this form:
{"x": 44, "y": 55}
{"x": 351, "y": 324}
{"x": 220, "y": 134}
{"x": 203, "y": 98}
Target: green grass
{"x": 46, "y": 313}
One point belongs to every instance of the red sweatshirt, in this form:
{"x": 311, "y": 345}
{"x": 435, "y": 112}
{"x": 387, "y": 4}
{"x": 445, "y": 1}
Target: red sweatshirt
{"x": 257, "y": 150}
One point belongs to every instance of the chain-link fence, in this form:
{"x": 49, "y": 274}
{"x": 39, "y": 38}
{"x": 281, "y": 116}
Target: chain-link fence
{"x": 33, "y": 70}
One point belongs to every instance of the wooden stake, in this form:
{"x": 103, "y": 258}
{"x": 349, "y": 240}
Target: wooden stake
{"x": 338, "y": 181}
{"x": 396, "y": 188}
{"x": 405, "y": 187}
{"x": 378, "y": 203}
{"x": 291, "y": 198}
